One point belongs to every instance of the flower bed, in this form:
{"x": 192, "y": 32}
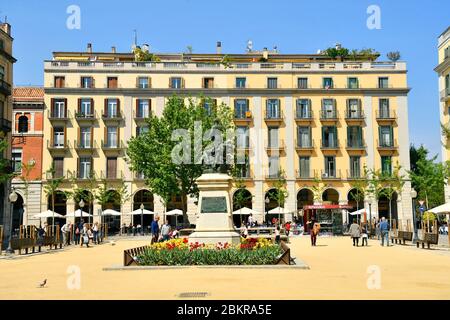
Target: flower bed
{"x": 180, "y": 252}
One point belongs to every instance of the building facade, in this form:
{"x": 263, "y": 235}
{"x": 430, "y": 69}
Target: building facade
{"x": 6, "y": 81}
{"x": 309, "y": 115}
{"x": 443, "y": 70}
{"x": 26, "y": 153}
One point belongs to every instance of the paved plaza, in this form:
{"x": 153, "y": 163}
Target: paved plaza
{"x": 337, "y": 271}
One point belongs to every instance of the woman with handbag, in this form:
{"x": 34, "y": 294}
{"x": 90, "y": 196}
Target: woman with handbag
{"x": 85, "y": 236}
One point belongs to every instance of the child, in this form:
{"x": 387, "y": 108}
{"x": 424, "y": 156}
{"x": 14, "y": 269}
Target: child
{"x": 277, "y": 234}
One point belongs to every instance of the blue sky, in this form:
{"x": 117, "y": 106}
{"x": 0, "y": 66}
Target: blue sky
{"x": 411, "y": 27}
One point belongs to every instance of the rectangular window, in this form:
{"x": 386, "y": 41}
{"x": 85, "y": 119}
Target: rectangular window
{"x": 386, "y": 165}
{"x": 330, "y": 166}
{"x": 87, "y": 82}
{"x": 59, "y": 82}
{"x": 243, "y": 167}
{"x": 175, "y": 83}
{"x": 112, "y": 82}
{"x": 328, "y": 109}
{"x": 272, "y": 83}
{"x": 112, "y": 110}
{"x": 273, "y": 109}
{"x": 241, "y": 108}
{"x": 273, "y": 137}
{"x": 384, "y": 112}
{"x": 353, "y": 83}
{"x": 386, "y": 136}
{"x": 302, "y": 83}
{"x": 304, "y": 167}
{"x": 143, "y": 108}
{"x": 208, "y": 104}
{"x": 304, "y": 137}
{"x": 355, "y": 171}
{"x": 111, "y": 168}
{"x": 303, "y": 109}
{"x": 327, "y": 83}
{"x": 2, "y": 72}
{"x": 354, "y": 137}
{"x": 58, "y": 138}
{"x": 85, "y": 108}
{"x": 111, "y": 139}
{"x": 240, "y": 82}
{"x": 141, "y": 130}
{"x": 59, "y": 108}
{"x": 242, "y": 137}
{"x": 329, "y": 137}
{"x": 383, "y": 82}
{"x": 208, "y": 83}
{"x": 354, "y": 109}
{"x": 143, "y": 83}
{"x": 85, "y": 166}
{"x": 58, "y": 166}
{"x": 85, "y": 137}
{"x": 16, "y": 157}
{"x": 274, "y": 166}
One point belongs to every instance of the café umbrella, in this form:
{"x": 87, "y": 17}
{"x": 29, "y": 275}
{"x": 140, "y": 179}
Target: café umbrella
{"x": 244, "y": 211}
{"x": 279, "y": 211}
{"x": 176, "y": 213}
{"x": 78, "y": 214}
{"x": 110, "y": 212}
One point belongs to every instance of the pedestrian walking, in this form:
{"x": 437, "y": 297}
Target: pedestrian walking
{"x": 314, "y": 231}
{"x": 355, "y": 233}
{"x": 155, "y": 229}
{"x": 384, "y": 231}
{"x": 277, "y": 234}
{"x": 287, "y": 228}
{"x": 377, "y": 229}
{"x": 364, "y": 235}
{"x": 95, "y": 233}
{"x": 85, "y": 236}
{"x": 165, "y": 229}
{"x": 65, "y": 229}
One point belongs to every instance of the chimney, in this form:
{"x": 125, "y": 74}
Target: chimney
{"x": 6, "y": 27}
{"x": 89, "y": 47}
{"x": 219, "y": 47}
{"x": 265, "y": 53}
{"x": 113, "y": 49}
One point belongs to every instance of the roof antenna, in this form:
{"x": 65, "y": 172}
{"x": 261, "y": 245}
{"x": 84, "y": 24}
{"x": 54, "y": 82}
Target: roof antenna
{"x": 135, "y": 39}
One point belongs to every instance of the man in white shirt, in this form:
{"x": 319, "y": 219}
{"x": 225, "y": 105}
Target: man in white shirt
{"x": 66, "y": 233}
{"x": 165, "y": 229}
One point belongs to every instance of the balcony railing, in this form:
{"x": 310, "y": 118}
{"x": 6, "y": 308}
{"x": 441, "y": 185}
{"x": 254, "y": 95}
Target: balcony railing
{"x": 275, "y": 145}
{"x": 5, "y": 125}
{"x": 5, "y": 87}
{"x": 85, "y": 146}
{"x": 112, "y": 145}
{"x": 356, "y": 144}
{"x": 304, "y": 145}
{"x": 57, "y": 175}
{"x": 352, "y": 115}
{"x": 304, "y": 115}
{"x": 329, "y": 144}
{"x": 139, "y": 176}
{"x": 111, "y": 175}
{"x": 141, "y": 116}
{"x": 243, "y": 116}
{"x": 244, "y": 174}
{"x": 58, "y": 116}
{"x": 386, "y": 115}
{"x": 81, "y": 116}
{"x": 273, "y": 116}
{"x": 53, "y": 146}
{"x": 387, "y": 144}
{"x": 81, "y": 175}
{"x": 326, "y": 115}
{"x": 305, "y": 174}
{"x": 330, "y": 174}
{"x": 354, "y": 175}
{"x": 272, "y": 176}
{"x": 116, "y": 116}
{"x": 243, "y": 145}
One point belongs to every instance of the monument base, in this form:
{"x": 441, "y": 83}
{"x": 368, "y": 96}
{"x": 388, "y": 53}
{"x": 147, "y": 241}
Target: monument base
{"x": 215, "y": 237}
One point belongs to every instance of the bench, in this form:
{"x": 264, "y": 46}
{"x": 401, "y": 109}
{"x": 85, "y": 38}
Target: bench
{"x": 23, "y": 244}
{"x": 129, "y": 255}
{"x": 402, "y": 237}
{"x": 285, "y": 257}
{"x": 428, "y": 239}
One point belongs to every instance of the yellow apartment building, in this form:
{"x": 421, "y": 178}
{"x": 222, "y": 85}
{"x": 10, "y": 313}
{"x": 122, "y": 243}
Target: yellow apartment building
{"x": 306, "y": 113}
{"x": 443, "y": 70}
{"x": 6, "y": 81}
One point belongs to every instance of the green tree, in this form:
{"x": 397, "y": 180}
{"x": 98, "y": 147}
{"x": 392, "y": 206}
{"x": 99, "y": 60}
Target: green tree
{"x": 26, "y": 180}
{"x": 427, "y": 176}
{"x": 279, "y": 185}
{"x": 5, "y": 165}
{"x": 317, "y": 189}
{"x": 241, "y": 196}
{"x": 362, "y": 187}
{"x": 152, "y": 153}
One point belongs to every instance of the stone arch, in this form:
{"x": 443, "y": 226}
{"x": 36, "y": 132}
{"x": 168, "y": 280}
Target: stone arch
{"x": 331, "y": 195}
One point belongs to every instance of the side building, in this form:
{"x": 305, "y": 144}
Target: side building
{"x": 6, "y": 81}
{"x": 311, "y": 115}
{"x": 27, "y": 137}
{"x": 443, "y": 71}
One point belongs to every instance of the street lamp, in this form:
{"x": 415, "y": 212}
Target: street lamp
{"x": 370, "y": 217}
{"x": 81, "y": 204}
{"x": 142, "y": 218}
{"x": 414, "y": 196}
{"x": 267, "y": 201}
{"x": 12, "y": 198}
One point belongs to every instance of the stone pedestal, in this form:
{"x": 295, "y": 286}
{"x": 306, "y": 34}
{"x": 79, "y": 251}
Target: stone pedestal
{"x": 215, "y": 221}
